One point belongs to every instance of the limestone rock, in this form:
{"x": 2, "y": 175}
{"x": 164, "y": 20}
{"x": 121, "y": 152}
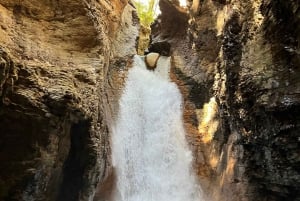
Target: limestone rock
{"x": 151, "y": 60}
{"x": 237, "y": 65}
{"x": 54, "y": 56}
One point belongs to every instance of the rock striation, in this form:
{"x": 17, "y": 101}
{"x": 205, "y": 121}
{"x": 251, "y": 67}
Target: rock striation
{"x": 237, "y": 64}
{"x": 54, "y": 57}
{"x": 62, "y": 70}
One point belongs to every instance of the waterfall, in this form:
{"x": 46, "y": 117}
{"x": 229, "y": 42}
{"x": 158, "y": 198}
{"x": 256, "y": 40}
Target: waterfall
{"x": 150, "y": 153}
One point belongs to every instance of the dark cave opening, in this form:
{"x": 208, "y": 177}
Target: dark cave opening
{"x": 72, "y": 181}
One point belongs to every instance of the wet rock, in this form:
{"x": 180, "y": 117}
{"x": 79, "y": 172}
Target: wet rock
{"x": 172, "y": 22}
{"x": 151, "y": 60}
{"x": 243, "y": 55}
{"x": 162, "y": 47}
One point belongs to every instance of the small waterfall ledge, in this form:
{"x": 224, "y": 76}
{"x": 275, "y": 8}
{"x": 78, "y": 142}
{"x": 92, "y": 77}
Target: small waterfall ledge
{"x": 149, "y": 149}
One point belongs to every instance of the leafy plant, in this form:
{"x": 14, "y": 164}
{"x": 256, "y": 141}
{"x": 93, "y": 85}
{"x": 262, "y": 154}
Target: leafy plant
{"x": 146, "y": 11}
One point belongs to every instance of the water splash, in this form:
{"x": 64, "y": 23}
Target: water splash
{"x": 150, "y": 153}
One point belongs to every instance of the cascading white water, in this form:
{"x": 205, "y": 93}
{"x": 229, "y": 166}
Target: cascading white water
{"x": 150, "y": 153}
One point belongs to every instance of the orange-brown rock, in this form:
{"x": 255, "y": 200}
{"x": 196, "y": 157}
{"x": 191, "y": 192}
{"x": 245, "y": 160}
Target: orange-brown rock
{"x": 54, "y": 56}
{"x": 237, "y": 66}
{"x": 62, "y": 69}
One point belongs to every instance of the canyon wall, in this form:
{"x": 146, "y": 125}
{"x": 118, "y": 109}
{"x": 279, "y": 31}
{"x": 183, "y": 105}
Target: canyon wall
{"x": 237, "y": 64}
{"x": 54, "y": 57}
{"x": 62, "y": 70}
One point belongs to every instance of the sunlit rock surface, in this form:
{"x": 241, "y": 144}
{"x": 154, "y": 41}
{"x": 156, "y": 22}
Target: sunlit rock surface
{"x": 54, "y": 57}
{"x": 62, "y": 70}
{"x": 237, "y": 65}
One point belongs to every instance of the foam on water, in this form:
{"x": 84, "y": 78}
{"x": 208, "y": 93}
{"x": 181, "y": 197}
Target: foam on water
{"x": 150, "y": 153}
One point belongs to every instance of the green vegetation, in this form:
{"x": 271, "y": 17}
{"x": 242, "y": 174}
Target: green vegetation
{"x": 146, "y": 11}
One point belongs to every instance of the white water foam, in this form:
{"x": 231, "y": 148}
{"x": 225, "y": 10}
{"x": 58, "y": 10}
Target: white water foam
{"x": 150, "y": 153}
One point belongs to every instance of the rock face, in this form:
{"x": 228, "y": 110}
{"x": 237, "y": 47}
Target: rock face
{"x": 63, "y": 66}
{"x": 144, "y": 39}
{"x": 54, "y": 57}
{"x": 237, "y": 64}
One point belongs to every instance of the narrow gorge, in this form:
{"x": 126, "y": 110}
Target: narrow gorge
{"x": 220, "y": 113}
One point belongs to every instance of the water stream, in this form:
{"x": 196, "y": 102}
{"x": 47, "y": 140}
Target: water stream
{"x": 150, "y": 153}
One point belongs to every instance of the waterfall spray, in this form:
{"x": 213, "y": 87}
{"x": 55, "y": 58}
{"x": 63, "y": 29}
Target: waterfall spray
{"x": 150, "y": 153}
